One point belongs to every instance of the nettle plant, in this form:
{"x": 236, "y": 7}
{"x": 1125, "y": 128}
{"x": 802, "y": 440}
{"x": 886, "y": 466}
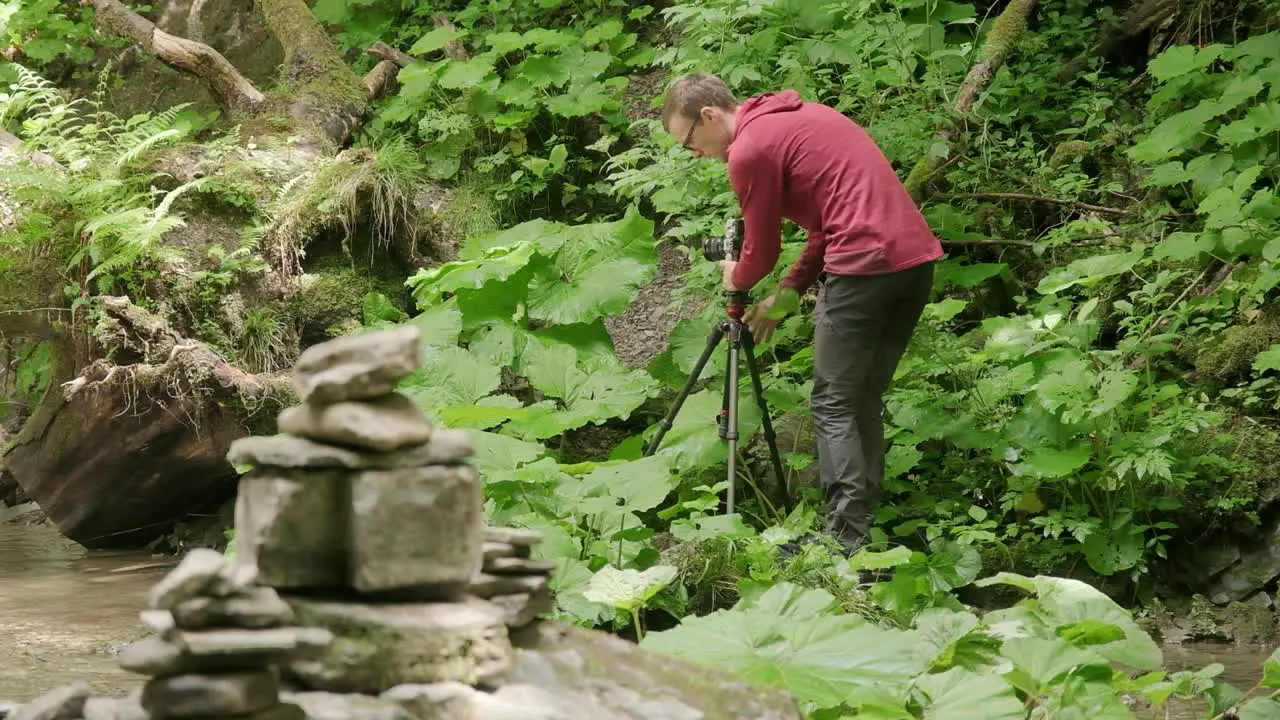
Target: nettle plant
{"x": 527, "y": 107}
{"x": 1071, "y": 416}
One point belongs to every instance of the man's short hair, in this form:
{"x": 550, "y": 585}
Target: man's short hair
{"x": 690, "y": 93}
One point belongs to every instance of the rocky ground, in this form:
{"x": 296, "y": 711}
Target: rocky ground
{"x": 644, "y": 330}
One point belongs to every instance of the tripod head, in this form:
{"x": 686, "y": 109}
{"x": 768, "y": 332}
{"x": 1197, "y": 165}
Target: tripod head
{"x": 736, "y": 302}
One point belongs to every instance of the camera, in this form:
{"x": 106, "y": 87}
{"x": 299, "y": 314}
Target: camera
{"x": 727, "y": 247}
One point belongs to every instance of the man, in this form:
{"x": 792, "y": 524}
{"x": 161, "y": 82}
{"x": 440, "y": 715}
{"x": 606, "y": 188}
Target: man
{"x": 867, "y": 242}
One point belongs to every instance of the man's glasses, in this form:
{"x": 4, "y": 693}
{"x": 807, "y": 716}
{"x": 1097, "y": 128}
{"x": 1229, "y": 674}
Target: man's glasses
{"x": 689, "y": 136}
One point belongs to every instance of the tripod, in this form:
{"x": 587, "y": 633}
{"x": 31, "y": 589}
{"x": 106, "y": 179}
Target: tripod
{"x": 740, "y": 339}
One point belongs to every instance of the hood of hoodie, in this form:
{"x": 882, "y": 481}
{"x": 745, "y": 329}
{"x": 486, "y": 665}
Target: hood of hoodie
{"x": 766, "y": 104}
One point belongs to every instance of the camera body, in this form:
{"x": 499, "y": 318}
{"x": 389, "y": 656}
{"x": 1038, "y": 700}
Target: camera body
{"x": 727, "y": 247}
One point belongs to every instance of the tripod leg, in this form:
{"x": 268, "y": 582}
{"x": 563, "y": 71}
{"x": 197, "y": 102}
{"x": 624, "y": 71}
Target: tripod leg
{"x": 731, "y": 410}
{"x": 748, "y": 349}
{"x": 717, "y": 334}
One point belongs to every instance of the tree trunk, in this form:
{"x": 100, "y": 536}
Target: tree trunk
{"x": 325, "y": 91}
{"x": 1005, "y": 34}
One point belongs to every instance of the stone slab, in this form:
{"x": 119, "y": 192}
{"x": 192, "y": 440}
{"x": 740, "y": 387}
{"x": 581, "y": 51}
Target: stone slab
{"x": 358, "y": 366}
{"x": 416, "y": 527}
{"x": 334, "y": 706}
{"x": 382, "y": 424}
{"x": 255, "y": 608}
{"x": 61, "y": 703}
{"x": 377, "y": 647}
{"x": 447, "y": 446}
{"x": 436, "y": 701}
{"x": 291, "y": 527}
{"x": 200, "y": 571}
{"x": 221, "y": 695}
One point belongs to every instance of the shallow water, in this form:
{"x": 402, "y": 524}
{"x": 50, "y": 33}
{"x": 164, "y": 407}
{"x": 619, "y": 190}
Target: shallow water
{"x": 65, "y": 612}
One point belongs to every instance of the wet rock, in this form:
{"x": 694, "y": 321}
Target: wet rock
{"x": 211, "y": 695}
{"x": 198, "y": 573}
{"x": 494, "y": 550}
{"x": 518, "y": 566}
{"x": 484, "y": 585}
{"x": 437, "y": 701}
{"x": 416, "y": 527}
{"x": 377, "y": 647}
{"x": 520, "y": 537}
{"x": 608, "y": 677}
{"x": 524, "y": 608}
{"x": 157, "y": 621}
{"x": 219, "y": 651}
{"x": 101, "y": 708}
{"x": 357, "y": 367}
{"x": 63, "y": 703}
{"x": 256, "y": 608}
{"x": 283, "y": 711}
{"x": 445, "y": 447}
{"x": 333, "y": 706}
{"x": 1256, "y": 568}
{"x": 381, "y": 424}
{"x": 289, "y": 527}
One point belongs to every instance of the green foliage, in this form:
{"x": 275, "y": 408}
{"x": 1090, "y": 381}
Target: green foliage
{"x": 43, "y": 31}
{"x": 97, "y": 211}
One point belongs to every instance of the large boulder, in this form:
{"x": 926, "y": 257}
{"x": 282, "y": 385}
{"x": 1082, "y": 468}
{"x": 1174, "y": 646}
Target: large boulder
{"x": 593, "y": 675}
{"x": 126, "y": 448}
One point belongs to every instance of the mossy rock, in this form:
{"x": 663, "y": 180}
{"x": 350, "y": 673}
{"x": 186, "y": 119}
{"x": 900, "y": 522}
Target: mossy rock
{"x": 1231, "y": 356}
{"x": 329, "y": 301}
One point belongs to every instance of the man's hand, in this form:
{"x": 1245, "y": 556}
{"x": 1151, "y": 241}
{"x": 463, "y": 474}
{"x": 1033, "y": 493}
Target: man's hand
{"x": 765, "y": 316}
{"x": 759, "y": 319}
{"x": 727, "y": 281}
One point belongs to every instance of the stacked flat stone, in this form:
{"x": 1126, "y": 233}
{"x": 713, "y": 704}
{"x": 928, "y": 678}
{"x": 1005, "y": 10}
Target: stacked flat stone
{"x": 359, "y": 491}
{"x": 218, "y": 639}
{"x": 513, "y": 581}
{"x": 370, "y": 521}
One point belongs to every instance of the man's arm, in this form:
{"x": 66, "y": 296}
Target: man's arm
{"x": 808, "y": 266}
{"x": 757, "y": 181}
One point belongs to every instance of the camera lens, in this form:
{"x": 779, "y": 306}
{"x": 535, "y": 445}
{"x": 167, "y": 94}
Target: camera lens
{"x": 713, "y": 249}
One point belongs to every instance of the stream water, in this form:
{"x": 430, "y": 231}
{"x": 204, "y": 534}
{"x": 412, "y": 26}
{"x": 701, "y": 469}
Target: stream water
{"x": 66, "y": 612}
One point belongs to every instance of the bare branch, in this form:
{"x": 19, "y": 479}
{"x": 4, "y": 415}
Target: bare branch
{"x": 380, "y": 78}
{"x": 386, "y": 52}
{"x": 199, "y": 59}
{"x": 1040, "y": 198}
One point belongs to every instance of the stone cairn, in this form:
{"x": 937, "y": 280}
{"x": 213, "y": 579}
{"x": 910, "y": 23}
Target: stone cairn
{"x": 362, "y": 567}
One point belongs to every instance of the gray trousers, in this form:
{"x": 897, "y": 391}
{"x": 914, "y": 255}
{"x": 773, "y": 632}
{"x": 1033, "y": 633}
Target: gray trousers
{"x": 862, "y": 327}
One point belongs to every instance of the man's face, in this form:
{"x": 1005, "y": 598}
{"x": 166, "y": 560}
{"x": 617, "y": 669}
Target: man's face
{"x": 706, "y": 136}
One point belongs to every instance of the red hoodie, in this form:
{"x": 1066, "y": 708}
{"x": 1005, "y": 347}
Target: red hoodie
{"x": 812, "y": 165}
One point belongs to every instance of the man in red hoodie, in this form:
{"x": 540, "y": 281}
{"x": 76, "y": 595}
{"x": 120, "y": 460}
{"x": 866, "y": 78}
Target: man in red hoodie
{"x": 868, "y": 246}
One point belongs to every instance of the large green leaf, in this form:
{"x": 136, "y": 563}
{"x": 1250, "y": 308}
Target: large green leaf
{"x": 824, "y": 659}
{"x": 628, "y": 590}
{"x": 1063, "y": 601}
{"x": 1088, "y": 271}
{"x": 450, "y": 376}
{"x": 593, "y": 389}
{"x": 497, "y": 263}
{"x": 1039, "y": 661}
{"x": 960, "y": 694}
{"x": 596, "y": 272}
